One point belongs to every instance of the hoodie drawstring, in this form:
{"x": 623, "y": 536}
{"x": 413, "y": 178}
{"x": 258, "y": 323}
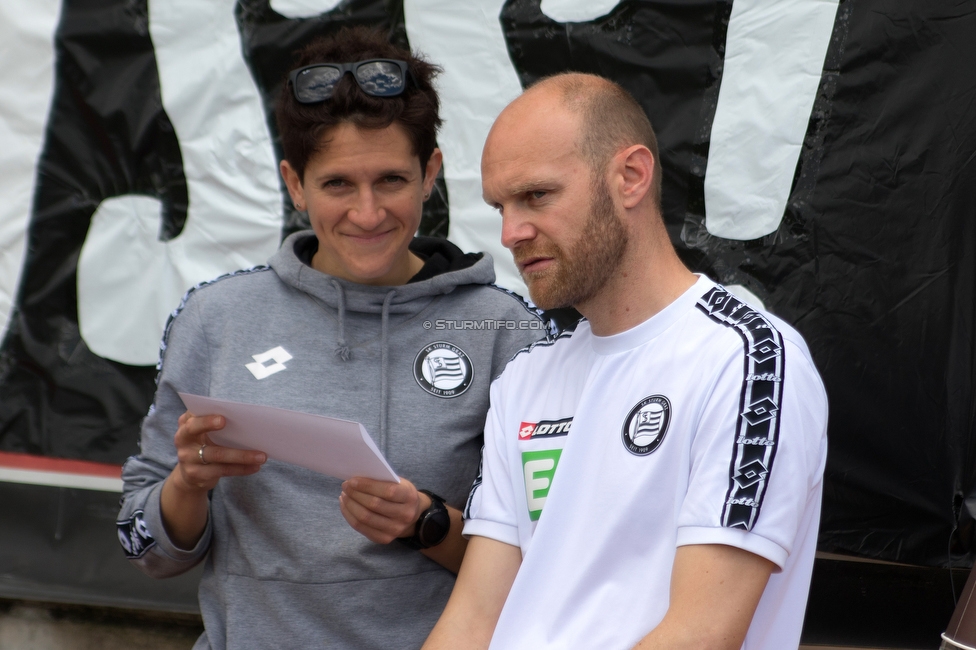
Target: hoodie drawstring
{"x": 384, "y": 369}
{"x": 343, "y": 353}
{"x": 341, "y": 350}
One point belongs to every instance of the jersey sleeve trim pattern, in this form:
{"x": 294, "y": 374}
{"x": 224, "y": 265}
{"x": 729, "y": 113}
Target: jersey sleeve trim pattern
{"x": 760, "y": 402}
{"x": 466, "y": 514}
{"x": 551, "y": 328}
{"x": 544, "y": 343}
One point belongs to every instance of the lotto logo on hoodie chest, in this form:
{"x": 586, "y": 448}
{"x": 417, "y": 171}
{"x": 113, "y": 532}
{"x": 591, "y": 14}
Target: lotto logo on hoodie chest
{"x": 443, "y": 369}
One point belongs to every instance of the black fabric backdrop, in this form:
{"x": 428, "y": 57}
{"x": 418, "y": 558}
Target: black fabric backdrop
{"x": 874, "y": 261}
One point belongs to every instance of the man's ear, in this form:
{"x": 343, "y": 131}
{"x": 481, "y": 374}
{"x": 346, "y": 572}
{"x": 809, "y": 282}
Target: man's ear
{"x": 293, "y": 182}
{"x": 635, "y": 167}
{"x": 433, "y": 168}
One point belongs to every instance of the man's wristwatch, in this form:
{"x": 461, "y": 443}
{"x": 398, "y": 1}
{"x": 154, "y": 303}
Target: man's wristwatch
{"x": 432, "y": 526}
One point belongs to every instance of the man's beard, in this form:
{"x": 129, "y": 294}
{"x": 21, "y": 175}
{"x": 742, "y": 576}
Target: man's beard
{"x": 577, "y": 275}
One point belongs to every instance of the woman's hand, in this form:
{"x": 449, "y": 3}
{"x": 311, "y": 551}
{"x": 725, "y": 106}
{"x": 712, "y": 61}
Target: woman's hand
{"x": 183, "y": 504}
{"x": 202, "y": 463}
{"x": 382, "y": 510}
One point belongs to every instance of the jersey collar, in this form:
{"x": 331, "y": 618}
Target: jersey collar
{"x": 653, "y": 326}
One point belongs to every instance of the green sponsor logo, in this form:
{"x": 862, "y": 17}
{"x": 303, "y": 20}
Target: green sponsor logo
{"x": 538, "y": 468}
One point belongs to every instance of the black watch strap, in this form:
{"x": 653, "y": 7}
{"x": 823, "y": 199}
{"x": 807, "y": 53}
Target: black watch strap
{"x": 432, "y": 526}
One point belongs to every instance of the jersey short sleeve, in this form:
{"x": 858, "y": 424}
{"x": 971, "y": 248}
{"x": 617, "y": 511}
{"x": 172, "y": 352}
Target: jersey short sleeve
{"x": 757, "y": 457}
{"x": 490, "y": 511}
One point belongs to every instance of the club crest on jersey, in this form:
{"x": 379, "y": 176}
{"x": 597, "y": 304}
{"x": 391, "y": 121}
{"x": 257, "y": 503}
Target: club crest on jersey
{"x": 545, "y": 428}
{"x": 443, "y": 370}
{"x": 646, "y": 425}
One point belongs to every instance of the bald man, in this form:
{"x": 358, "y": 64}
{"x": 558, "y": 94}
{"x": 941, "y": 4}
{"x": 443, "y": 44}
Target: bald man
{"x": 652, "y": 480}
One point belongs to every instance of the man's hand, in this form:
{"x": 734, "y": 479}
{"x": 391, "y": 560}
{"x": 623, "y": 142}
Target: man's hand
{"x": 382, "y": 510}
{"x": 483, "y": 583}
{"x": 200, "y": 465}
{"x": 715, "y": 590}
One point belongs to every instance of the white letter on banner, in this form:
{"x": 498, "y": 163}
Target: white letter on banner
{"x": 774, "y": 56}
{"x": 303, "y": 8}
{"x": 27, "y": 82}
{"x": 128, "y": 280}
{"x": 577, "y": 11}
{"x": 466, "y": 39}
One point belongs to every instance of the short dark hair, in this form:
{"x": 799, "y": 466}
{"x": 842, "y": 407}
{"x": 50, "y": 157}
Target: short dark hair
{"x": 301, "y": 126}
{"x": 610, "y": 118}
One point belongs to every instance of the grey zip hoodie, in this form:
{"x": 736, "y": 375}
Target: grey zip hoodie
{"x": 413, "y": 363}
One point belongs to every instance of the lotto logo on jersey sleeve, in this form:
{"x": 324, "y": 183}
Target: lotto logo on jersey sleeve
{"x": 529, "y": 430}
{"x": 538, "y": 468}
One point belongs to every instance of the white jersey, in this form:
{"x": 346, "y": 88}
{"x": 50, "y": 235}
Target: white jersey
{"x": 706, "y": 424}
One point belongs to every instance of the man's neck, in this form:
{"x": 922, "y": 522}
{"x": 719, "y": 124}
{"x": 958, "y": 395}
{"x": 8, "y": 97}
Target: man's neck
{"x": 645, "y": 283}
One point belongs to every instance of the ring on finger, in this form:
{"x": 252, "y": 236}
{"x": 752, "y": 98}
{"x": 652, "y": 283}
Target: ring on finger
{"x": 200, "y": 454}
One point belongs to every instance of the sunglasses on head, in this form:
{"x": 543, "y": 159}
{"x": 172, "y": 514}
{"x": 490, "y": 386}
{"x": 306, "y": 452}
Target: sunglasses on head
{"x": 377, "y": 77}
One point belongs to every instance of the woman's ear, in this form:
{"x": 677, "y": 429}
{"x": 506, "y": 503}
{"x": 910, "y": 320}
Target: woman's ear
{"x": 294, "y": 184}
{"x": 433, "y": 168}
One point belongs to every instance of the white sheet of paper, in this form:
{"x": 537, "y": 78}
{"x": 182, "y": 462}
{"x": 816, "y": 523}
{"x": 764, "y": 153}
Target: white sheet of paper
{"x": 338, "y": 448}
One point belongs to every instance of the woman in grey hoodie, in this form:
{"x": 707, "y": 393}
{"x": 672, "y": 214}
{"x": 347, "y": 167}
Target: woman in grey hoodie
{"x": 355, "y": 319}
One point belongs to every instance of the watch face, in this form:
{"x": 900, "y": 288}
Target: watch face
{"x": 434, "y": 526}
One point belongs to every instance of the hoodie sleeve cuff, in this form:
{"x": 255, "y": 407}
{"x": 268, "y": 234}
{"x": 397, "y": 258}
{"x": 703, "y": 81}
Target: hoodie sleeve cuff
{"x": 154, "y": 522}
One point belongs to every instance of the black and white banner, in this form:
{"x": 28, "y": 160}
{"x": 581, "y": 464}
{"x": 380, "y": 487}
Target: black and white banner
{"x": 819, "y": 158}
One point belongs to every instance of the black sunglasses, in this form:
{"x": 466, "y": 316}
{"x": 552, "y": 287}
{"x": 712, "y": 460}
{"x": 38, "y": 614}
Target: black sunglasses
{"x": 376, "y": 77}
